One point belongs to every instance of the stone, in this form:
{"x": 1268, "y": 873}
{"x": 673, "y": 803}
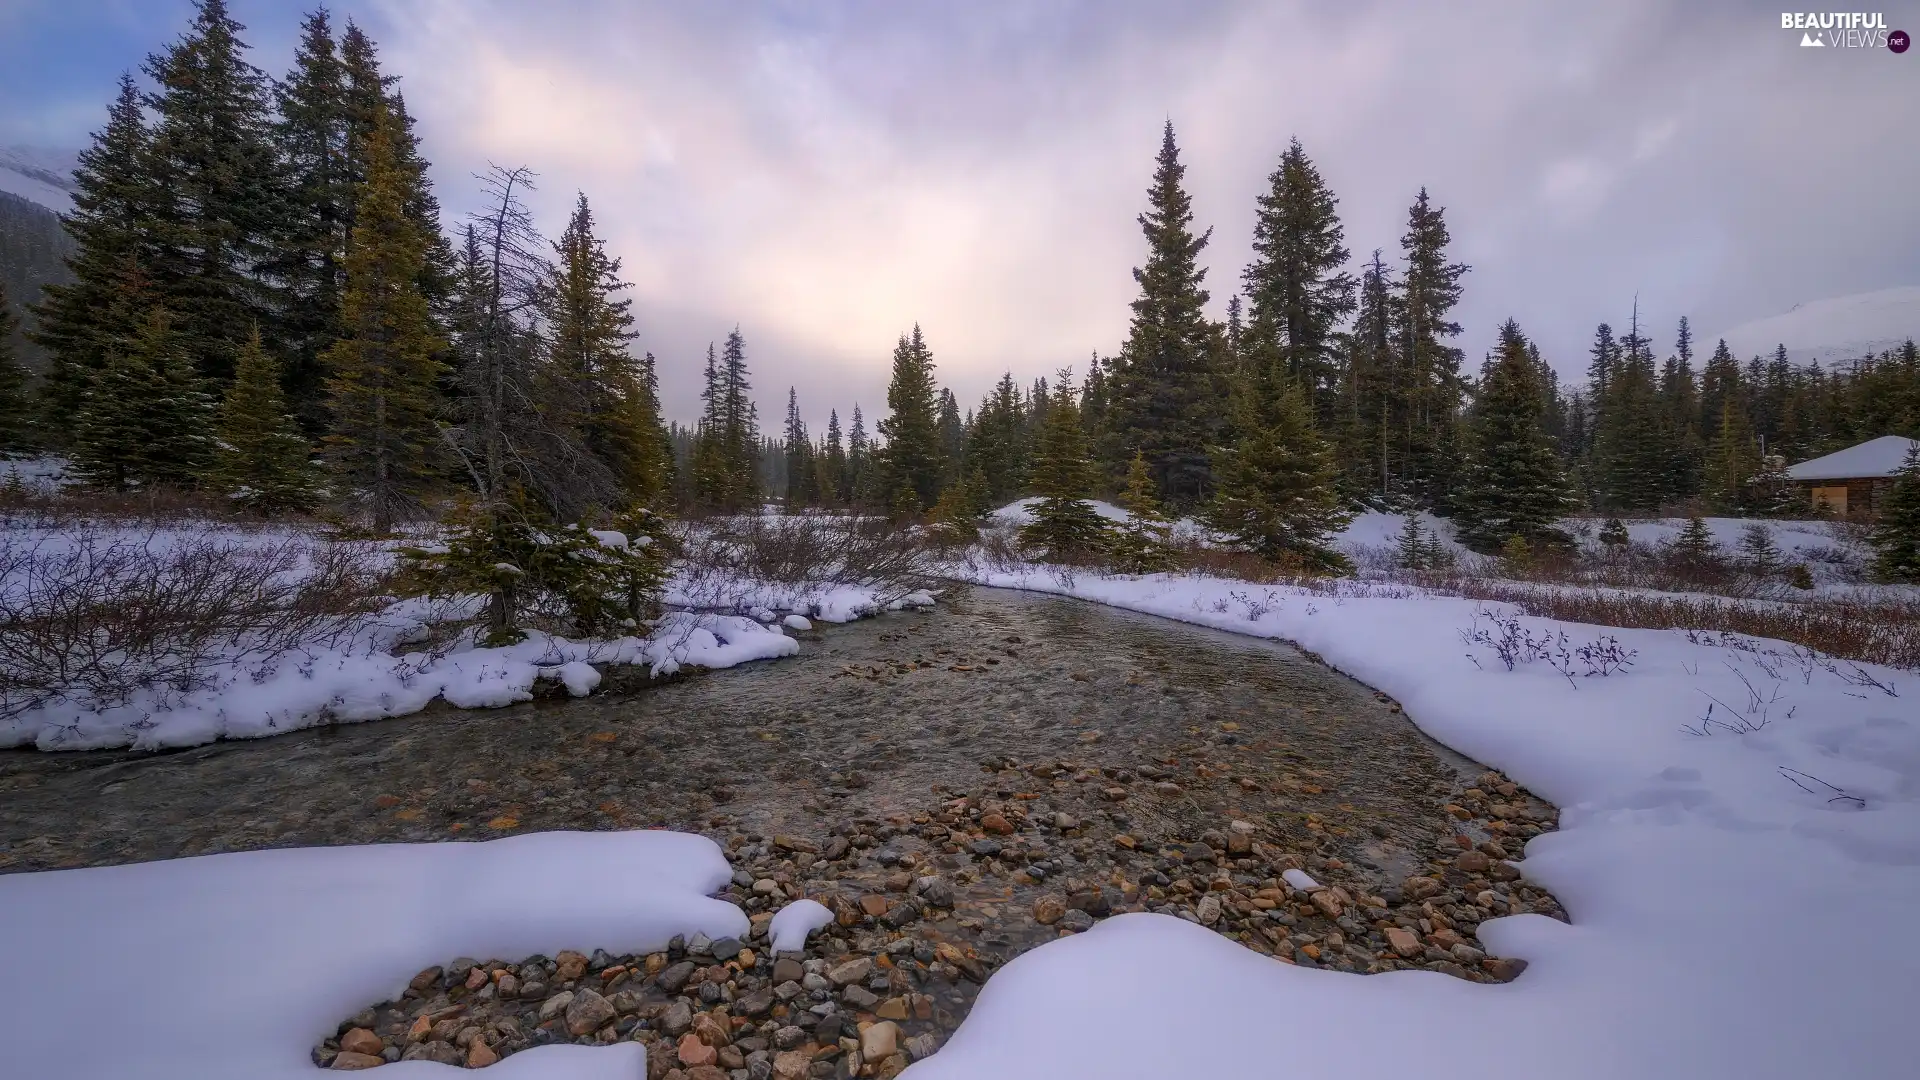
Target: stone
{"x": 1503, "y": 968}
{"x": 587, "y": 1011}
{"x": 347, "y": 1059}
{"x": 984, "y": 848}
{"x": 480, "y": 1055}
{"x": 1416, "y": 889}
{"x": 476, "y": 978}
{"x": 1208, "y": 910}
{"x": 873, "y": 905}
{"x": 361, "y": 1041}
{"x": 553, "y": 1006}
{"x": 728, "y": 948}
{"x": 787, "y": 969}
{"x": 508, "y": 986}
{"x": 1467, "y": 954}
{"x": 675, "y": 977}
{"x": 786, "y": 1038}
{"x": 1076, "y": 920}
{"x": 706, "y": 1072}
{"x": 1473, "y": 862}
{"x": 568, "y": 966}
{"x": 691, "y": 1051}
{"x": 859, "y": 997}
{"x": 994, "y": 823}
{"x": 880, "y": 1040}
{"x": 1328, "y": 901}
{"x": 937, "y": 894}
{"x": 894, "y": 1008}
{"x": 1239, "y": 843}
{"x": 900, "y": 915}
{"x": 852, "y": 971}
{"x": 426, "y": 980}
{"x": 1048, "y": 909}
{"x": 1063, "y": 822}
{"x": 709, "y": 1030}
{"x": 444, "y": 1053}
{"x": 1403, "y": 942}
{"x": 422, "y": 1027}
{"x": 757, "y": 1004}
{"x": 922, "y": 1046}
{"x": 1505, "y": 871}
{"x": 791, "y": 1065}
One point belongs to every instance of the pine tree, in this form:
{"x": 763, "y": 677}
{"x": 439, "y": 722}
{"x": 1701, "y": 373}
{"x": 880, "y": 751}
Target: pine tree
{"x": 740, "y": 430}
{"x": 1165, "y": 391}
{"x": 218, "y": 187}
{"x": 1429, "y": 291}
{"x": 997, "y": 442}
{"x": 16, "y": 405}
{"x": 834, "y": 486}
{"x": 799, "y": 457}
{"x": 861, "y": 480}
{"x": 589, "y": 326}
{"x": 1377, "y": 394}
{"x": 1411, "y": 546}
{"x": 1144, "y": 543}
{"x": 314, "y": 137}
{"x": 370, "y": 95}
{"x": 1297, "y": 289}
{"x": 1513, "y": 484}
{"x": 261, "y": 459}
{"x": 953, "y": 438}
{"x": 1065, "y": 526}
{"x": 1694, "y": 545}
{"x": 384, "y": 445}
{"x": 1895, "y": 538}
{"x": 648, "y": 480}
{"x": 1277, "y": 493}
{"x": 1613, "y": 534}
{"x": 146, "y": 417}
{"x": 1758, "y": 550}
{"x": 913, "y": 456}
{"x": 1732, "y": 462}
{"x": 99, "y": 313}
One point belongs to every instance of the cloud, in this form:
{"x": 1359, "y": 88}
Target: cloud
{"x": 827, "y": 174}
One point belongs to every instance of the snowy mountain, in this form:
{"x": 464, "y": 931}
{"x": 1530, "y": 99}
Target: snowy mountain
{"x": 38, "y": 175}
{"x": 1842, "y": 328}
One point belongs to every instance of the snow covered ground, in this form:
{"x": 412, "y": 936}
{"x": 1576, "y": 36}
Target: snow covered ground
{"x": 1741, "y": 903}
{"x": 246, "y": 959}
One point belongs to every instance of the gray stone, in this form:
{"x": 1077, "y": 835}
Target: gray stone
{"x": 852, "y": 971}
{"x": 923, "y": 1045}
{"x": 587, "y": 1012}
{"x": 678, "y": 1017}
{"x": 676, "y": 976}
{"x": 727, "y": 948}
{"x": 788, "y": 1037}
{"x": 1076, "y": 920}
{"x": 860, "y": 998}
{"x": 553, "y": 1005}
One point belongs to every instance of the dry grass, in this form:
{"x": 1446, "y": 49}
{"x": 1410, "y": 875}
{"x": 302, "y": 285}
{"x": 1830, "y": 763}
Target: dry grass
{"x": 717, "y": 553}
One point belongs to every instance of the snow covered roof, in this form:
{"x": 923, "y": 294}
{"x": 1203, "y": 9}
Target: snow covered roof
{"x": 1873, "y": 458}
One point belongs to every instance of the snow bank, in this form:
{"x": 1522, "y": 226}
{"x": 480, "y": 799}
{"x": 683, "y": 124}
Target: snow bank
{"x": 1733, "y": 915}
{"x": 791, "y": 924}
{"x": 342, "y": 686}
{"x": 246, "y": 960}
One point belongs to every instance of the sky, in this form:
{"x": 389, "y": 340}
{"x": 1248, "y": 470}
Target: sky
{"x": 826, "y": 174}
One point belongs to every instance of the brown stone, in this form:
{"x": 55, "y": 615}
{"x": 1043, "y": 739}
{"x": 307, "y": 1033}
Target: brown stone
{"x": 1503, "y": 968}
{"x": 791, "y": 1065}
{"x": 480, "y": 1055}
{"x": 874, "y": 905}
{"x": 424, "y": 981}
{"x": 853, "y": 971}
{"x": 894, "y": 1008}
{"x": 347, "y": 1059}
{"x": 422, "y": 1027}
{"x": 706, "y": 1072}
{"x": 691, "y": 1051}
{"x": 1443, "y": 939}
{"x": 1328, "y": 902}
{"x": 709, "y": 1030}
{"x": 994, "y": 823}
{"x": 1403, "y": 942}
{"x": 1473, "y": 862}
{"x": 568, "y": 966}
{"x": 1049, "y": 909}
{"x": 882, "y": 1040}
{"x": 1416, "y": 889}
{"x": 361, "y": 1041}
{"x": 587, "y": 1011}
{"x": 477, "y": 978}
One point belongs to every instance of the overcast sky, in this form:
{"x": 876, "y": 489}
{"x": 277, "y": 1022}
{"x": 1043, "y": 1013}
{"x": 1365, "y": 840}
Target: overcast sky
{"x": 826, "y": 174}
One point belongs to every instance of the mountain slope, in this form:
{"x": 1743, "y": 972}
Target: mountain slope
{"x": 1841, "y": 328}
{"x": 38, "y": 175}
{"x": 34, "y": 247}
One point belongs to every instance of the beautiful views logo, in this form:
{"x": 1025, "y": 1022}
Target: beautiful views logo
{"x": 1844, "y": 30}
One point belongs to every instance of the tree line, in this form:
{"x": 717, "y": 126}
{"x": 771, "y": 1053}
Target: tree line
{"x": 265, "y": 303}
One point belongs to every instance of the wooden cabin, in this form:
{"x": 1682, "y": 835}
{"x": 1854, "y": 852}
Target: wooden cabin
{"x": 1853, "y": 482}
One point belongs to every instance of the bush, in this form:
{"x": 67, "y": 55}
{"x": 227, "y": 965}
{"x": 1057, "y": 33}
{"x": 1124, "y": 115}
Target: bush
{"x": 718, "y": 554}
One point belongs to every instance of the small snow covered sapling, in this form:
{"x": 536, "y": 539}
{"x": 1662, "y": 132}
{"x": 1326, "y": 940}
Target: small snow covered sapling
{"x": 1516, "y": 554}
{"x": 1613, "y": 534}
{"x": 1694, "y": 546}
{"x": 1411, "y": 547}
{"x": 1758, "y": 550}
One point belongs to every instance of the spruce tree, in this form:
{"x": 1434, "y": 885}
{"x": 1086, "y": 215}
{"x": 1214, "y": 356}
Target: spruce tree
{"x": 218, "y": 189}
{"x": 798, "y": 450}
{"x": 1165, "y": 391}
{"x": 1378, "y": 393}
{"x": 834, "y": 490}
{"x": 261, "y": 459}
{"x": 370, "y": 95}
{"x": 647, "y": 474}
{"x": 589, "y": 326}
{"x": 1732, "y": 462}
{"x": 313, "y": 135}
{"x": 1144, "y": 543}
{"x": 712, "y": 481}
{"x": 16, "y": 405}
{"x": 1513, "y": 483}
{"x": 384, "y": 445}
{"x": 914, "y": 457}
{"x": 100, "y": 311}
{"x": 1410, "y": 548}
{"x": 740, "y": 429}
{"x": 1297, "y": 288}
{"x": 1429, "y": 291}
{"x": 1277, "y": 494}
{"x": 1613, "y": 534}
{"x": 1065, "y": 527}
{"x": 1694, "y": 545}
{"x": 1895, "y": 538}
{"x": 1758, "y": 550}
{"x": 997, "y": 442}
{"x": 860, "y": 482}
{"x": 146, "y": 419}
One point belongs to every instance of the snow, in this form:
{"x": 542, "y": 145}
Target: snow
{"x": 1840, "y": 328}
{"x": 1881, "y": 457}
{"x": 579, "y": 677}
{"x": 796, "y": 622}
{"x": 1301, "y": 880}
{"x": 1732, "y": 914}
{"x": 791, "y": 924}
{"x": 248, "y": 959}
{"x": 38, "y": 175}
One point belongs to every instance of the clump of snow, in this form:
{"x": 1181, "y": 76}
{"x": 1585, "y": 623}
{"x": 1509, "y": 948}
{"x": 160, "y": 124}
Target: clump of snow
{"x": 609, "y": 538}
{"x": 1741, "y": 903}
{"x": 579, "y": 677}
{"x": 796, "y": 622}
{"x": 791, "y": 924}
{"x": 1301, "y": 880}
{"x": 260, "y": 953}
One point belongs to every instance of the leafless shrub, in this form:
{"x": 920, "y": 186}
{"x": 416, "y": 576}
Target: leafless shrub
{"x": 1514, "y": 644}
{"x": 95, "y": 617}
{"x": 803, "y": 550}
